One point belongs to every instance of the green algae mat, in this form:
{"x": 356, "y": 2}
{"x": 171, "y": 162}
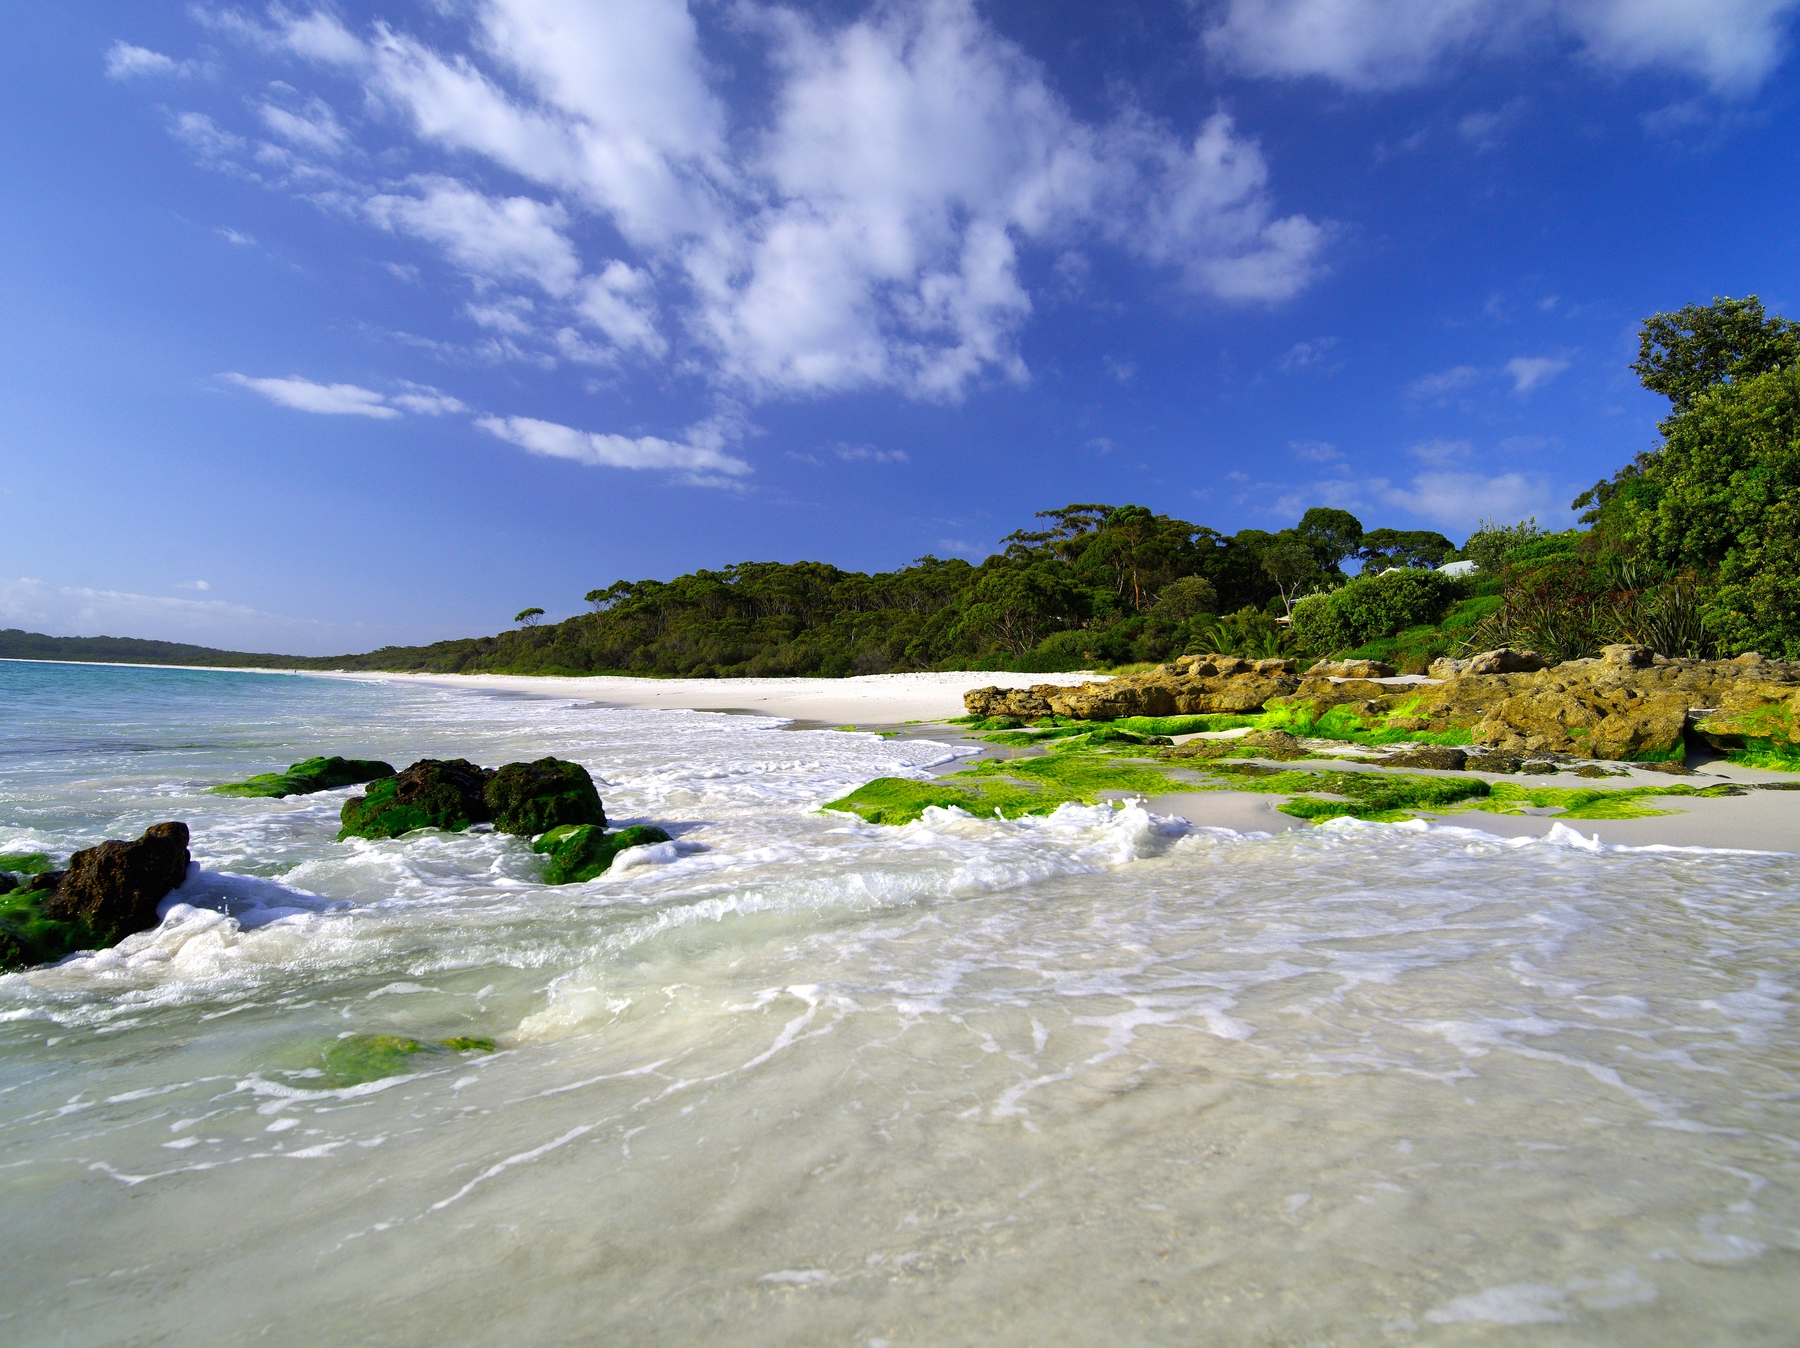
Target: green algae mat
{"x": 1009, "y": 788}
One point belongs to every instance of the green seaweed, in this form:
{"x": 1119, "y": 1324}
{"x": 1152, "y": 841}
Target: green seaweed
{"x": 29, "y": 936}
{"x": 1379, "y": 796}
{"x": 580, "y": 852}
{"x": 1773, "y": 755}
{"x": 304, "y": 778}
{"x": 1010, "y": 788}
{"x": 357, "y": 1058}
{"x": 1341, "y": 722}
{"x": 25, "y": 863}
{"x": 470, "y": 1043}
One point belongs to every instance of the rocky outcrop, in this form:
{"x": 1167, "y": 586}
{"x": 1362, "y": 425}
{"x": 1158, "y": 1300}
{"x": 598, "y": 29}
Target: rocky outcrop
{"x": 1351, "y": 669}
{"x": 1196, "y": 686}
{"x": 1625, "y": 704}
{"x": 104, "y": 895}
{"x": 581, "y": 852}
{"x": 432, "y": 793}
{"x": 527, "y": 799}
{"x": 305, "y": 778}
{"x": 1438, "y": 757}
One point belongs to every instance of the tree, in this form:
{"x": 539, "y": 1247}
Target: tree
{"x": 1382, "y": 548}
{"x": 1291, "y": 562}
{"x": 1682, "y": 354}
{"x": 1015, "y": 607}
{"x": 528, "y": 617}
{"x": 1721, "y": 499}
{"x": 1185, "y": 599}
{"x": 1332, "y": 534}
{"x": 1491, "y": 543}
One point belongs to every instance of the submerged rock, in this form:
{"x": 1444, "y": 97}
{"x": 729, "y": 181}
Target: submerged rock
{"x": 579, "y": 852}
{"x": 104, "y": 895}
{"x": 432, "y": 793}
{"x": 357, "y": 1058}
{"x": 527, "y": 799}
{"x": 309, "y": 776}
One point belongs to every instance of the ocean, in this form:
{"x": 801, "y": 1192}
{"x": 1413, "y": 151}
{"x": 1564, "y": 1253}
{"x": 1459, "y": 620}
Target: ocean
{"x": 794, "y": 1079}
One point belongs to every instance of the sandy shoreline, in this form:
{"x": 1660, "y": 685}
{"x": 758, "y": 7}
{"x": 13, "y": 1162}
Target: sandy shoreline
{"x": 866, "y": 700}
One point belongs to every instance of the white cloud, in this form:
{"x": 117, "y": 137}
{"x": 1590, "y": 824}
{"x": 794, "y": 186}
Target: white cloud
{"x": 303, "y": 395}
{"x": 1529, "y": 371}
{"x": 1433, "y": 386}
{"x": 192, "y": 585}
{"x": 1441, "y": 451}
{"x": 426, "y": 400}
{"x": 1731, "y": 45}
{"x": 236, "y": 236}
{"x": 1315, "y": 451}
{"x": 1303, "y": 355}
{"x": 869, "y": 454}
{"x": 124, "y": 62}
{"x": 501, "y": 238}
{"x": 315, "y": 127}
{"x": 81, "y": 610}
{"x": 1456, "y": 500}
{"x": 699, "y": 458}
{"x": 206, "y": 137}
{"x": 866, "y": 232}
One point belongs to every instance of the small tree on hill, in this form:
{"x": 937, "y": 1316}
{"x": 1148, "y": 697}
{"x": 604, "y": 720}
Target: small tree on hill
{"x": 528, "y": 617}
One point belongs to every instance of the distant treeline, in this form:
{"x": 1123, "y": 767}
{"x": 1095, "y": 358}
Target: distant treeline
{"x": 17, "y": 644}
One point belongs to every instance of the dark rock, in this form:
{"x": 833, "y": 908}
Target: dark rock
{"x": 432, "y": 793}
{"x": 1538, "y": 769}
{"x": 113, "y": 889}
{"x": 527, "y": 799}
{"x": 1672, "y": 768}
{"x": 1441, "y": 757}
{"x": 580, "y": 852}
{"x": 304, "y": 778}
{"x": 1277, "y": 744}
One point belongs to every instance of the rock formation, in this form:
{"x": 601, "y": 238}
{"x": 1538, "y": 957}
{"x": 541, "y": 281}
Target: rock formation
{"x": 432, "y": 793}
{"x": 304, "y": 778}
{"x": 580, "y": 852}
{"x": 104, "y": 895}
{"x": 1626, "y": 704}
{"x": 527, "y": 799}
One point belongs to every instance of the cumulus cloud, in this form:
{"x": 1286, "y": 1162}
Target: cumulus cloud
{"x": 1529, "y": 371}
{"x": 1730, "y": 45}
{"x": 426, "y": 400}
{"x": 498, "y": 238}
{"x": 863, "y": 226}
{"x": 1460, "y": 500}
{"x": 698, "y": 458}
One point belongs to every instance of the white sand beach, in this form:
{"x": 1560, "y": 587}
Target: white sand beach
{"x": 867, "y": 700}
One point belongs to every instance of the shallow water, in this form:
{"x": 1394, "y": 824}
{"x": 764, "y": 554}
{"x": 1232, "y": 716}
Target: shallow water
{"x": 792, "y": 1079}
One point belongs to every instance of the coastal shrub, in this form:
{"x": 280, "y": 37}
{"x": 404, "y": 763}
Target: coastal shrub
{"x": 1493, "y": 544}
{"x": 1376, "y": 606}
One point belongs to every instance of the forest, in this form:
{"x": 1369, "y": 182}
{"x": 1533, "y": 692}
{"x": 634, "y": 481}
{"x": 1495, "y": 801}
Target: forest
{"x": 1693, "y": 549}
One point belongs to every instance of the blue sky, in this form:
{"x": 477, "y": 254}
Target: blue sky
{"x": 327, "y": 327}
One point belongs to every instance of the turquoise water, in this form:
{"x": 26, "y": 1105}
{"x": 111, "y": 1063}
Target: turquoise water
{"x": 792, "y": 1079}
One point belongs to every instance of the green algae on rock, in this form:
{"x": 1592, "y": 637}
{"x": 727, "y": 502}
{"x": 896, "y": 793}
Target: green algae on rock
{"x": 106, "y": 893}
{"x": 1378, "y": 796}
{"x": 526, "y": 799}
{"x": 305, "y": 778}
{"x": 580, "y": 852}
{"x": 24, "y": 863}
{"x": 432, "y": 793}
{"x": 357, "y": 1058}
{"x": 1009, "y": 788}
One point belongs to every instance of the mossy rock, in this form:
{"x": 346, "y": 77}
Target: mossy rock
{"x": 304, "y": 778}
{"x": 357, "y": 1058}
{"x": 579, "y": 852}
{"x": 432, "y": 793}
{"x": 31, "y": 936}
{"x": 526, "y": 799}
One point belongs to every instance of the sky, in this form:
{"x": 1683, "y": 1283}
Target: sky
{"x": 327, "y": 326}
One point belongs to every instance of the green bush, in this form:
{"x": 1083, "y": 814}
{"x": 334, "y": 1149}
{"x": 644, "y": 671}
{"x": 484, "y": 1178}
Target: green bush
{"x": 1377, "y": 606}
